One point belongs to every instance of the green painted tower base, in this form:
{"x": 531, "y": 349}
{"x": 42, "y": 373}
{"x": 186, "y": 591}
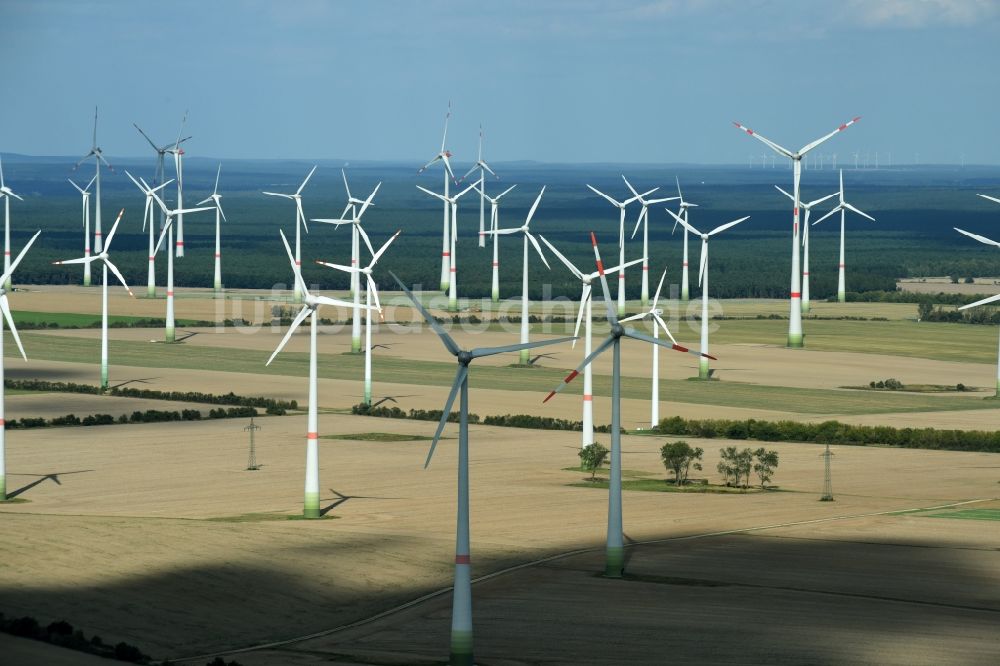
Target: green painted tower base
{"x": 805, "y": 307}
{"x": 3, "y": 488}
{"x": 796, "y": 341}
{"x": 355, "y": 345}
{"x": 310, "y": 508}
{"x": 841, "y": 297}
{"x": 614, "y": 566}
{"x": 525, "y": 357}
{"x": 461, "y": 649}
{"x": 998, "y": 388}
{"x": 444, "y": 287}
{"x": 703, "y": 368}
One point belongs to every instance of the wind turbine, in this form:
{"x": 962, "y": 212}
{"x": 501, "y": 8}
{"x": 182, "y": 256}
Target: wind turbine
{"x": 805, "y": 245}
{"x": 370, "y": 292}
{"x": 991, "y": 299}
{"x": 216, "y": 200}
{"x": 654, "y": 314}
{"x": 614, "y": 549}
{"x": 311, "y": 303}
{"x": 147, "y": 215}
{"x": 494, "y": 225}
{"x": 5, "y": 308}
{"x": 644, "y": 221}
{"x": 703, "y": 283}
{"x": 586, "y": 300}
{"x": 620, "y": 205}
{"x": 356, "y": 230}
{"x": 683, "y": 212}
{"x": 795, "y": 339}
{"x": 85, "y": 195}
{"x": 461, "y": 610}
{"x": 6, "y": 193}
{"x": 446, "y": 243}
{"x": 102, "y": 256}
{"x": 178, "y": 154}
{"x": 524, "y": 269}
{"x": 842, "y": 206}
{"x": 453, "y": 269}
{"x": 159, "y": 175}
{"x": 483, "y": 168}
{"x": 300, "y": 219}
{"x": 98, "y": 156}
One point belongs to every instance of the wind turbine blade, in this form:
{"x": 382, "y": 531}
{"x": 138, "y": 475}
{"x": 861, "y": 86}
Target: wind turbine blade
{"x": 381, "y": 250}
{"x": 809, "y": 146}
{"x": 663, "y": 325}
{"x": 650, "y": 202}
{"x": 364, "y": 237}
{"x": 424, "y": 167}
{"x": 984, "y": 301}
{"x": 836, "y": 209}
{"x": 470, "y": 187}
{"x": 78, "y": 188}
{"x": 278, "y": 194}
{"x": 337, "y": 303}
{"x": 981, "y": 239}
{"x": 114, "y": 269}
{"x": 447, "y": 166}
{"x": 469, "y": 172}
{"x": 703, "y": 259}
{"x": 566, "y": 262}
{"x": 155, "y": 147}
{"x": 635, "y": 194}
{"x": 92, "y": 179}
{"x": 303, "y": 313}
{"x": 680, "y": 220}
{"x": 114, "y": 228}
{"x": 5, "y": 307}
{"x": 80, "y": 260}
{"x": 534, "y": 207}
{"x": 463, "y": 372}
{"x": 20, "y": 256}
{"x": 445, "y": 338}
{"x": 291, "y": 261}
{"x": 218, "y": 204}
{"x": 513, "y": 186}
{"x": 819, "y": 201}
{"x": 340, "y": 267}
{"x": 538, "y": 249}
{"x": 633, "y": 317}
{"x": 489, "y": 170}
{"x": 787, "y": 194}
{"x": 727, "y": 225}
{"x": 584, "y": 295}
{"x": 163, "y": 234}
{"x": 615, "y": 269}
{"x": 598, "y": 192}
{"x": 859, "y": 212}
{"x": 610, "y": 340}
{"x": 480, "y": 352}
{"x": 303, "y": 185}
{"x": 635, "y": 335}
{"x": 218, "y": 173}
{"x": 986, "y": 196}
{"x": 346, "y": 186}
{"x": 770, "y": 144}
{"x": 638, "y": 222}
{"x": 612, "y": 316}
{"x": 659, "y": 287}
{"x": 433, "y": 194}
{"x": 300, "y": 213}
{"x": 374, "y": 290}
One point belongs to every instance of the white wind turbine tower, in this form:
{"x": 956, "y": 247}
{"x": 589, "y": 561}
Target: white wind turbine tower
{"x": 795, "y": 338}
{"x": 5, "y": 309}
{"x": 842, "y": 206}
{"x": 159, "y": 177}
{"x": 805, "y": 245}
{"x": 654, "y": 314}
{"x": 147, "y": 215}
{"x": 216, "y": 200}
{"x": 644, "y": 221}
{"x": 703, "y": 283}
{"x": 461, "y": 609}
{"x": 452, "y": 202}
{"x": 178, "y": 154}
{"x": 85, "y": 196}
{"x": 356, "y": 231}
{"x": 991, "y": 299}
{"x": 98, "y": 156}
{"x": 483, "y": 168}
{"x": 683, "y": 212}
{"x": 370, "y": 292}
{"x": 586, "y": 301}
{"x": 102, "y": 256}
{"x": 446, "y": 242}
{"x": 494, "y": 225}
{"x": 300, "y": 221}
{"x": 310, "y": 305}
{"x": 620, "y": 205}
{"x": 524, "y": 269}
{"x": 7, "y": 193}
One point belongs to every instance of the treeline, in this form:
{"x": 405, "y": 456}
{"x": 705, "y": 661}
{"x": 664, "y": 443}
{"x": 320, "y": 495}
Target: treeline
{"x": 833, "y": 432}
{"x": 134, "y": 323}
{"x": 506, "y": 421}
{"x": 272, "y": 406}
{"x": 63, "y": 634}
{"x": 148, "y": 416}
{"x": 985, "y": 315}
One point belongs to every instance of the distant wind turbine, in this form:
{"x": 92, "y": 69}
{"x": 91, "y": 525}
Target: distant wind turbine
{"x": 443, "y": 156}
{"x": 991, "y": 299}
{"x": 216, "y": 200}
{"x": 300, "y": 221}
{"x": 178, "y": 154}
{"x": 7, "y": 193}
{"x": 494, "y": 225}
{"x": 85, "y": 195}
{"x": 805, "y": 245}
{"x": 644, "y": 221}
{"x": 483, "y": 169}
{"x": 683, "y": 213}
{"x": 842, "y": 206}
{"x": 147, "y": 216}
{"x": 451, "y": 201}
{"x": 98, "y": 156}
{"x": 620, "y": 205}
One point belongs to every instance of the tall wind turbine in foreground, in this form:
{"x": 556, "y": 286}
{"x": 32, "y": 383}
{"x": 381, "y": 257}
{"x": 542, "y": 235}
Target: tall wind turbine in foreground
{"x": 216, "y": 200}
{"x": 446, "y": 242}
{"x": 494, "y": 225}
{"x": 991, "y": 299}
{"x": 106, "y": 264}
{"x": 461, "y": 609}
{"x": 370, "y": 292}
{"x": 614, "y": 549}
{"x": 842, "y": 206}
{"x": 300, "y": 219}
{"x": 85, "y": 196}
{"x": 620, "y": 205}
{"x": 795, "y": 307}
{"x": 683, "y": 212}
{"x": 98, "y": 156}
{"x": 5, "y": 309}
{"x": 644, "y": 221}
{"x": 178, "y": 154}
{"x": 586, "y": 300}
{"x": 703, "y": 283}
{"x": 524, "y": 270}
{"x": 310, "y": 507}
{"x": 7, "y": 193}
{"x": 453, "y": 264}
{"x": 483, "y": 168}
{"x": 805, "y": 245}
{"x": 147, "y": 216}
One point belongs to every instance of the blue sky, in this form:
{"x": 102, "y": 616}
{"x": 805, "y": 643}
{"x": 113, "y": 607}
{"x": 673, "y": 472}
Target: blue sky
{"x": 556, "y": 81}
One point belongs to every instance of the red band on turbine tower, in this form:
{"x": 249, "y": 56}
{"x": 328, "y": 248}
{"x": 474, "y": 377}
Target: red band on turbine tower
{"x": 312, "y": 435}
{"x": 796, "y": 294}
{"x": 463, "y": 559}
{"x": 588, "y": 397}
{"x": 3, "y": 422}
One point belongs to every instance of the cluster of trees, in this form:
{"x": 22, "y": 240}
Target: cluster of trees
{"x": 148, "y": 416}
{"x": 735, "y": 466}
{"x": 888, "y": 384}
{"x": 833, "y": 432}
{"x": 592, "y": 457}
{"x": 133, "y": 323}
{"x": 679, "y": 457}
{"x": 506, "y": 420}
{"x": 985, "y": 315}
{"x": 63, "y": 634}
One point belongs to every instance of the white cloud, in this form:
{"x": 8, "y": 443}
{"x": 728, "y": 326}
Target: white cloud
{"x": 921, "y": 13}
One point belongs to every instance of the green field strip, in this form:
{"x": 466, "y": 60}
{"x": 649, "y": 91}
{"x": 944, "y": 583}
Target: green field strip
{"x": 441, "y": 373}
{"x": 967, "y": 514}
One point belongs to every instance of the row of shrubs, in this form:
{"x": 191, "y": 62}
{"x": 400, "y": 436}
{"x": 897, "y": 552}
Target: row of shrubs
{"x": 272, "y": 406}
{"x": 833, "y": 432}
{"x": 507, "y": 420}
{"x": 63, "y": 634}
{"x": 136, "y": 323}
{"x": 148, "y": 416}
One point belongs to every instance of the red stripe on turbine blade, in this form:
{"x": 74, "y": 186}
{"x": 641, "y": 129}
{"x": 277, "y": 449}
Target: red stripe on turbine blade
{"x": 710, "y": 356}
{"x": 312, "y": 435}
{"x": 600, "y": 267}
{"x": 549, "y": 396}
{"x": 463, "y": 559}
{"x": 680, "y": 349}
{"x": 749, "y": 131}
{"x": 570, "y": 377}
{"x": 593, "y": 239}
{"x": 842, "y": 127}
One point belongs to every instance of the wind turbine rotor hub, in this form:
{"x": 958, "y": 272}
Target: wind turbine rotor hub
{"x": 617, "y": 330}
{"x": 464, "y": 357}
